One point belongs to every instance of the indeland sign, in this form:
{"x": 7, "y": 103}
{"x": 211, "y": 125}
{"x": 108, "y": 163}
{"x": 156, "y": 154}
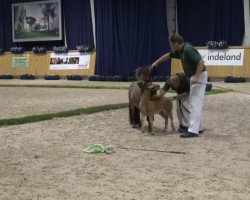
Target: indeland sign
{"x": 222, "y": 57}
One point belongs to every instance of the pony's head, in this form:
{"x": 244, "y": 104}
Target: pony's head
{"x": 143, "y": 73}
{"x": 149, "y": 86}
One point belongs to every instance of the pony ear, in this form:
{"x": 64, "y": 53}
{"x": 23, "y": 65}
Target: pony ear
{"x": 138, "y": 72}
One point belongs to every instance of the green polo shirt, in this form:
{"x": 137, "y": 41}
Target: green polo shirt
{"x": 183, "y": 87}
{"x": 189, "y": 58}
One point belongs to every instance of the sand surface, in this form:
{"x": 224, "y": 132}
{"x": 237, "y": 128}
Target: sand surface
{"x": 45, "y": 160}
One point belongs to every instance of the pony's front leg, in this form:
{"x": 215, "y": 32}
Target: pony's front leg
{"x": 142, "y": 118}
{"x": 166, "y": 124}
{"x": 150, "y": 127}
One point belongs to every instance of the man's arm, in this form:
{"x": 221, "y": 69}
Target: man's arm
{"x": 160, "y": 60}
{"x": 199, "y": 69}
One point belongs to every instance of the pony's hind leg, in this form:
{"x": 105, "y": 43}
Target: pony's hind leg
{"x": 172, "y": 120}
{"x": 165, "y": 116}
{"x": 134, "y": 116}
{"x": 166, "y": 124}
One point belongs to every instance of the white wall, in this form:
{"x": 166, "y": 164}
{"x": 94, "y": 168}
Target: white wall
{"x": 171, "y": 17}
{"x": 247, "y": 23}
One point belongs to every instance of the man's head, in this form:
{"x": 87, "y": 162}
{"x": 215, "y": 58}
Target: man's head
{"x": 176, "y": 41}
{"x": 175, "y": 81}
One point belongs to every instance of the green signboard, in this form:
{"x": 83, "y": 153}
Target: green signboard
{"x": 21, "y": 60}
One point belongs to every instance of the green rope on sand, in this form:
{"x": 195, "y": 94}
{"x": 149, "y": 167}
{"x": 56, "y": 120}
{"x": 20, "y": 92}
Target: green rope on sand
{"x": 99, "y": 148}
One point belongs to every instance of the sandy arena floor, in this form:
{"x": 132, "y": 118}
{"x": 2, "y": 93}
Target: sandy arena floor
{"x": 45, "y": 160}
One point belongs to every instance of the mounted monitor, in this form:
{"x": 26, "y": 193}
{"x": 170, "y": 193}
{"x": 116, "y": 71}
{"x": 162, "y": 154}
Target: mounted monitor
{"x": 37, "y": 21}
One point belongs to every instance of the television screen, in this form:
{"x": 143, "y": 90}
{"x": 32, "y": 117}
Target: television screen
{"x": 36, "y": 21}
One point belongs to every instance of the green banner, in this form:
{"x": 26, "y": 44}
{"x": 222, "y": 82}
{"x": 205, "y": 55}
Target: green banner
{"x": 21, "y": 60}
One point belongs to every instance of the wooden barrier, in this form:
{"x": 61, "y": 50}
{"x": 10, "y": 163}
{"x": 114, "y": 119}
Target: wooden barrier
{"x": 39, "y": 65}
{"x": 221, "y": 71}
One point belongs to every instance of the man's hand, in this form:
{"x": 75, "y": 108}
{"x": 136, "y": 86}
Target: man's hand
{"x": 182, "y": 95}
{"x": 195, "y": 79}
{"x": 153, "y": 66}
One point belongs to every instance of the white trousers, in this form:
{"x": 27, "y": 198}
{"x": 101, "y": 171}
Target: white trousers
{"x": 183, "y": 111}
{"x": 196, "y": 101}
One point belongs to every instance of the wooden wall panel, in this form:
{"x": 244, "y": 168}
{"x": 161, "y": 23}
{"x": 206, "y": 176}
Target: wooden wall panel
{"x": 39, "y": 66}
{"x": 2, "y": 66}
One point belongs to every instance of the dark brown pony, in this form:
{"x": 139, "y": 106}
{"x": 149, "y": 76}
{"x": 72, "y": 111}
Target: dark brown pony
{"x": 134, "y": 95}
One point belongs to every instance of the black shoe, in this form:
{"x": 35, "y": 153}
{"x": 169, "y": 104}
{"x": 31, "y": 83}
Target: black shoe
{"x": 188, "y": 135}
{"x": 201, "y": 131}
{"x": 182, "y": 129}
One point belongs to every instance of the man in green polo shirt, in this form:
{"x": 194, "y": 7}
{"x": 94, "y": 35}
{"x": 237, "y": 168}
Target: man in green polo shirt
{"x": 195, "y": 70}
